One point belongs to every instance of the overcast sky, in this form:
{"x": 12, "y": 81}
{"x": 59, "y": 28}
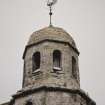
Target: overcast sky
{"x": 83, "y": 19}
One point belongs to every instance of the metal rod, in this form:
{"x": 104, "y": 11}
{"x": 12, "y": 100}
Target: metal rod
{"x": 50, "y": 16}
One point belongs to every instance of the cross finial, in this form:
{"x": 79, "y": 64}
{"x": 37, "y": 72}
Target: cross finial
{"x": 50, "y": 3}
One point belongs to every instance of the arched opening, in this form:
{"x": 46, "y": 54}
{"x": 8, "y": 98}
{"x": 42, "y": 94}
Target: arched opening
{"x": 57, "y": 60}
{"x": 29, "y": 103}
{"x": 74, "y": 73}
{"x": 36, "y": 61}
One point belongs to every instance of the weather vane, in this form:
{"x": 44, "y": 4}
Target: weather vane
{"x": 50, "y": 3}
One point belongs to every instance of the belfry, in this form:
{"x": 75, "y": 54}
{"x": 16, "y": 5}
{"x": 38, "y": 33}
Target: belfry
{"x": 51, "y": 71}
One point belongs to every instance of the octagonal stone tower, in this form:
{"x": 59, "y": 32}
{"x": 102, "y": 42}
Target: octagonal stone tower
{"x": 51, "y": 72}
{"x": 51, "y": 58}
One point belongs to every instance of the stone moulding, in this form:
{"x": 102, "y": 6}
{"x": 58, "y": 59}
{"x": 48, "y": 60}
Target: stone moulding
{"x": 52, "y": 89}
{"x": 50, "y": 40}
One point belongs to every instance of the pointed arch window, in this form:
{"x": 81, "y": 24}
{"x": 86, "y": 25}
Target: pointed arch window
{"x": 36, "y": 61}
{"x": 57, "y": 60}
{"x": 74, "y": 72}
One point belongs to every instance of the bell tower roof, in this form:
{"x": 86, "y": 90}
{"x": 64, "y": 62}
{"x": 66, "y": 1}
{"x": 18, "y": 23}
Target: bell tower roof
{"x": 51, "y": 33}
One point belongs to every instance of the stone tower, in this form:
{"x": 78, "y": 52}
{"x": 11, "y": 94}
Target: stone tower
{"x": 51, "y": 72}
{"x": 51, "y": 59}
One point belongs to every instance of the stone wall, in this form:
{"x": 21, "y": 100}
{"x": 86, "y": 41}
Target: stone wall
{"x": 46, "y": 75}
{"x": 52, "y": 98}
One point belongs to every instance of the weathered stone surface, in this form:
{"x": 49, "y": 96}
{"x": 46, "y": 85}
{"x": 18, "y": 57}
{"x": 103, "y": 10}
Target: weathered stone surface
{"x": 55, "y": 33}
{"x": 45, "y": 85}
{"x": 47, "y": 76}
{"x": 52, "y": 96}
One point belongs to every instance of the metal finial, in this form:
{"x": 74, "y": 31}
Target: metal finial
{"x": 50, "y": 3}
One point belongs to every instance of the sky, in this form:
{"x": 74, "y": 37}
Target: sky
{"x": 84, "y": 20}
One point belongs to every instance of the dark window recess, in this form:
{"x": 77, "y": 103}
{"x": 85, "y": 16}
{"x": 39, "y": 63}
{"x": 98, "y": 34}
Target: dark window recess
{"x": 29, "y": 103}
{"x": 74, "y": 72}
{"x": 57, "y": 60}
{"x": 36, "y": 61}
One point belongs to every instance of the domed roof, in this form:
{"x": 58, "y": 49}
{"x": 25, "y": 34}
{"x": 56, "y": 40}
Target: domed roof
{"x": 51, "y": 33}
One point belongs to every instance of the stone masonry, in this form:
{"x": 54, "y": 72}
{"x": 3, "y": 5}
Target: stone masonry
{"x": 47, "y": 84}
